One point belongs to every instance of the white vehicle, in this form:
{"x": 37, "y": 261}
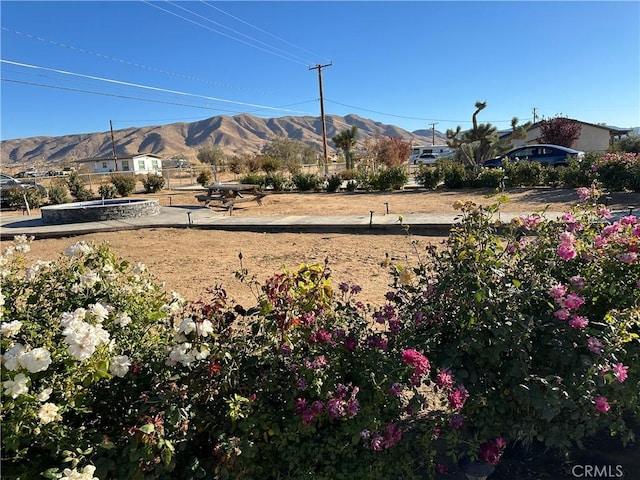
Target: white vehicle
{"x": 428, "y": 154}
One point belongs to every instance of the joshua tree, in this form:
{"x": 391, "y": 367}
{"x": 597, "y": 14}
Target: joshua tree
{"x": 345, "y": 141}
{"x": 482, "y": 142}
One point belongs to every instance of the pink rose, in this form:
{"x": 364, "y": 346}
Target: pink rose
{"x": 578, "y": 322}
{"x": 573, "y": 301}
{"x": 620, "y": 372}
{"x": 595, "y": 345}
{"x": 602, "y": 405}
{"x": 567, "y": 252}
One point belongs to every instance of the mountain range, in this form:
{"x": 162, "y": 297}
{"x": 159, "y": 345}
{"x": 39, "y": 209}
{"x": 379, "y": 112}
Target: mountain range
{"x": 242, "y": 134}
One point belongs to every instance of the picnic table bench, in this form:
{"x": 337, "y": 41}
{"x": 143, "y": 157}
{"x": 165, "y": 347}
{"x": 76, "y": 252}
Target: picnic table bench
{"x": 230, "y": 194}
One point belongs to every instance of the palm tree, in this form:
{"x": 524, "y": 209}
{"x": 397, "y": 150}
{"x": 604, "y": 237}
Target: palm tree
{"x": 345, "y": 141}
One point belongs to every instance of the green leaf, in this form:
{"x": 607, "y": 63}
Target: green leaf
{"x": 148, "y": 428}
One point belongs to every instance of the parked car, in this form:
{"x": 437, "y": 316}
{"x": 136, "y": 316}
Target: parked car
{"x": 7, "y": 183}
{"x": 550, "y": 155}
{"x": 426, "y": 159}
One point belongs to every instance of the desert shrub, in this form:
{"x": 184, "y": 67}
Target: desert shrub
{"x": 617, "y": 171}
{"x": 253, "y": 179}
{"x": 16, "y": 197}
{"x": 575, "y": 174}
{"x": 630, "y": 144}
{"x": 351, "y": 174}
{"x": 428, "y": 176}
{"x": 204, "y": 177}
{"x": 270, "y": 164}
{"x": 351, "y": 185}
{"x": 454, "y": 174}
{"x": 125, "y": 184}
{"x": 107, "y": 191}
{"x": 490, "y": 178}
{"x": 77, "y": 188}
{"x": 634, "y": 176}
{"x": 389, "y": 178}
{"x": 236, "y": 165}
{"x": 277, "y": 181}
{"x": 334, "y": 182}
{"x": 58, "y": 194}
{"x": 305, "y": 182}
{"x": 153, "y": 183}
{"x": 253, "y": 164}
{"x": 524, "y": 174}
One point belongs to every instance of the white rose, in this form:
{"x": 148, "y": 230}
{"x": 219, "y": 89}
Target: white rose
{"x": 48, "y": 413}
{"x": 77, "y": 250}
{"x": 36, "y": 360}
{"x": 11, "y": 358}
{"x": 17, "y": 386}
{"x": 122, "y": 319}
{"x": 187, "y": 326}
{"x": 44, "y": 395}
{"x": 206, "y": 328}
{"x": 100, "y": 312}
{"x": 11, "y": 328}
{"x": 120, "y": 365}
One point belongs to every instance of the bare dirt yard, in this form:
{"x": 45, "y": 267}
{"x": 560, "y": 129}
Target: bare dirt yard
{"x": 190, "y": 260}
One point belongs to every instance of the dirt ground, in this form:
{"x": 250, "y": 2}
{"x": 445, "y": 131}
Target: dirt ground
{"x": 188, "y": 260}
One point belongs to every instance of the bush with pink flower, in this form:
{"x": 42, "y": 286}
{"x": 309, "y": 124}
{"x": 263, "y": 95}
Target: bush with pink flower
{"x": 539, "y": 320}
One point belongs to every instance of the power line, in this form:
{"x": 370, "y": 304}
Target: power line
{"x": 231, "y": 29}
{"x": 126, "y": 62}
{"x": 146, "y": 87}
{"x": 262, "y": 31}
{"x": 410, "y": 118}
{"x": 127, "y": 97}
{"x": 218, "y": 32}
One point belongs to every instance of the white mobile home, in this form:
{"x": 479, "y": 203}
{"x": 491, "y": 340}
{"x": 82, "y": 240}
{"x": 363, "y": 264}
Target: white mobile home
{"x": 136, "y": 164}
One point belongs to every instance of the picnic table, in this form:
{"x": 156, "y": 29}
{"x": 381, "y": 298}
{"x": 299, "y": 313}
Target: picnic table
{"x": 230, "y": 194}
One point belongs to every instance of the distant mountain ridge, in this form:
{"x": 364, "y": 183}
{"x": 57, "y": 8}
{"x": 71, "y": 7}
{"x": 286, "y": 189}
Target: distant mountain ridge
{"x": 236, "y": 135}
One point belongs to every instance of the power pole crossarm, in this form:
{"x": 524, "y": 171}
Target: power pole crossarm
{"x": 324, "y": 126}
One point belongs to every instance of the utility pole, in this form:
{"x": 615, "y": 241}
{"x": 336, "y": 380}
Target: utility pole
{"x": 113, "y": 146}
{"x": 324, "y": 126}
{"x": 433, "y": 133}
{"x": 535, "y": 114}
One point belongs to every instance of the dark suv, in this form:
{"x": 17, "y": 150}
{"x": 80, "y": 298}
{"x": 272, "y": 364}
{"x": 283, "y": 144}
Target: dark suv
{"x": 550, "y": 155}
{"x": 7, "y": 183}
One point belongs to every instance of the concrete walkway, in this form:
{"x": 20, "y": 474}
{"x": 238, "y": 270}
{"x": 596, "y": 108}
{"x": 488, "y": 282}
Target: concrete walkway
{"x": 205, "y": 218}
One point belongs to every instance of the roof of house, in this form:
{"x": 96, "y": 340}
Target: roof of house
{"x": 107, "y": 159}
{"x": 612, "y": 130}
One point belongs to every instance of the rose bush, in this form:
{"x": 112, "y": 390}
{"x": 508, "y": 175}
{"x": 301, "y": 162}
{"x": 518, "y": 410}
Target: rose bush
{"x": 105, "y": 376}
{"x": 516, "y": 333}
{"x": 540, "y": 320}
{"x": 80, "y": 341}
{"x": 304, "y": 385}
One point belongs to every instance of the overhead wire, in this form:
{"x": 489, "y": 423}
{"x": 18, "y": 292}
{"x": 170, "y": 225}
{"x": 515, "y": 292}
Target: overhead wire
{"x": 218, "y": 32}
{"x": 146, "y": 87}
{"x": 231, "y": 29}
{"x": 263, "y": 31}
{"x": 127, "y": 62}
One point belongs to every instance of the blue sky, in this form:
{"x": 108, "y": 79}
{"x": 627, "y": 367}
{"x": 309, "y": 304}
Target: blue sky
{"x": 71, "y": 67}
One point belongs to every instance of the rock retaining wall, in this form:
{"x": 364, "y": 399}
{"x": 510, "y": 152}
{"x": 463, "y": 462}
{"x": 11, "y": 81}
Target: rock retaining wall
{"x": 98, "y": 211}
